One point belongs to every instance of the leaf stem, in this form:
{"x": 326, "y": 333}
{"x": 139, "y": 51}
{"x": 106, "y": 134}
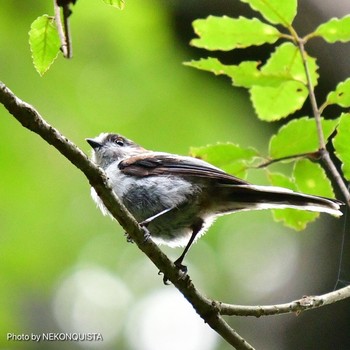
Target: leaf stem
{"x": 315, "y": 110}
{"x": 310, "y": 155}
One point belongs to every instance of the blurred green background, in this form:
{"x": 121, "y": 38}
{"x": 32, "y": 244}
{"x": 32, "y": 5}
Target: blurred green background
{"x": 66, "y": 268}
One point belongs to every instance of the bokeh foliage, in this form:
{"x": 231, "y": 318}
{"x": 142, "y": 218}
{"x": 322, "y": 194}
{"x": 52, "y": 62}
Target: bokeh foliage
{"x": 126, "y": 76}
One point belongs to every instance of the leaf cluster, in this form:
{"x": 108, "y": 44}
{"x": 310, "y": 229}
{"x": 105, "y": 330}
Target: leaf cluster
{"x": 278, "y": 88}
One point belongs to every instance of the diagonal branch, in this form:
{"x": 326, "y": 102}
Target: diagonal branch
{"x": 31, "y": 119}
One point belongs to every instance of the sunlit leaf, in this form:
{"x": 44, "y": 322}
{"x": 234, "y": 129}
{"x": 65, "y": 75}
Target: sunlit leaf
{"x": 341, "y": 95}
{"x": 44, "y": 43}
{"x": 299, "y": 136}
{"x": 287, "y": 59}
{"x": 119, "y": 4}
{"x": 342, "y": 145}
{"x": 293, "y": 218}
{"x": 246, "y": 74}
{"x": 274, "y": 103}
{"x": 310, "y": 178}
{"x": 225, "y": 33}
{"x": 227, "y": 156}
{"x": 275, "y": 11}
{"x": 335, "y": 30}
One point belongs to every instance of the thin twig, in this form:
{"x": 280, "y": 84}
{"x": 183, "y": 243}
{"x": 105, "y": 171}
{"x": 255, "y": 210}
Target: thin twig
{"x": 60, "y": 29}
{"x": 31, "y": 119}
{"x": 63, "y": 28}
{"x": 325, "y": 157}
{"x": 315, "y": 110}
{"x": 296, "y": 306}
{"x": 310, "y": 155}
{"x": 66, "y": 14}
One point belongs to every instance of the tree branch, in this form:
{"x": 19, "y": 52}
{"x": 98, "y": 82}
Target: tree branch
{"x": 296, "y": 306}
{"x": 205, "y": 307}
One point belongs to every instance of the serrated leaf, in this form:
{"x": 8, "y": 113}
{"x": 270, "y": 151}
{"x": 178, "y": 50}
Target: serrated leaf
{"x": 341, "y": 94}
{"x": 335, "y": 30}
{"x": 342, "y": 145}
{"x": 274, "y": 103}
{"x": 287, "y": 59}
{"x": 299, "y": 136}
{"x": 246, "y": 74}
{"x": 225, "y": 33}
{"x": 296, "y": 219}
{"x": 275, "y": 11}
{"x": 44, "y": 43}
{"x": 227, "y": 156}
{"x": 310, "y": 178}
{"x": 119, "y": 4}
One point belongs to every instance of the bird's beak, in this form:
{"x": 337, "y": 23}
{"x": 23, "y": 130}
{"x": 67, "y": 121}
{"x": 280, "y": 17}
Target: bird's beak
{"x": 93, "y": 143}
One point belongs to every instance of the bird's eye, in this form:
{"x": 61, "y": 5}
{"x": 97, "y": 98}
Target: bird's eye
{"x": 119, "y": 142}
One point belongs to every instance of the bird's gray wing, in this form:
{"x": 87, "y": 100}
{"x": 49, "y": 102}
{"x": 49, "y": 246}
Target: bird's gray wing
{"x": 164, "y": 164}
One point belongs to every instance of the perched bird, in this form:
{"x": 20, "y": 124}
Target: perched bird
{"x": 178, "y": 197}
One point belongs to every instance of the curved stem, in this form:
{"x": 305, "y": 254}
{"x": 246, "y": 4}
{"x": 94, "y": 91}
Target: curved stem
{"x": 325, "y": 157}
{"x": 315, "y": 109}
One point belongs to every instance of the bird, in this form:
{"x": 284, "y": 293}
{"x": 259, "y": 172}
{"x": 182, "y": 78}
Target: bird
{"x": 178, "y": 197}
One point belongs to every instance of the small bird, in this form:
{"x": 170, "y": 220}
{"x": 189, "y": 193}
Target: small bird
{"x": 178, "y": 197}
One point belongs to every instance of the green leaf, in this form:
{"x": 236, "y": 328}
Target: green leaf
{"x": 119, "y": 4}
{"x": 342, "y": 145}
{"x": 227, "y": 156}
{"x": 299, "y": 136}
{"x": 335, "y": 30}
{"x": 310, "y": 178}
{"x": 274, "y": 103}
{"x": 246, "y": 74}
{"x": 278, "y": 89}
{"x": 275, "y": 11}
{"x": 225, "y": 33}
{"x": 44, "y": 43}
{"x": 287, "y": 59}
{"x": 341, "y": 95}
{"x": 293, "y": 218}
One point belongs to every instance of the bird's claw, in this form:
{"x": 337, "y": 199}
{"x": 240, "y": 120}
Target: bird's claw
{"x": 182, "y": 269}
{"x": 146, "y": 234}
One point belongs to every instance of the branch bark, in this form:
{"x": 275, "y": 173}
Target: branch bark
{"x": 296, "y": 306}
{"x": 206, "y": 308}
{"x": 62, "y": 24}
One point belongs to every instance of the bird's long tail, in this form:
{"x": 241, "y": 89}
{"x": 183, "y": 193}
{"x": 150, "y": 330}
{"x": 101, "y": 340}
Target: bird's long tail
{"x": 251, "y": 197}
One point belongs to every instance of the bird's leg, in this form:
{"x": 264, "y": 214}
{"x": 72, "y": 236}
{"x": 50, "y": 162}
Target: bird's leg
{"x": 196, "y": 227}
{"x": 146, "y": 222}
{"x": 150, "y": 219}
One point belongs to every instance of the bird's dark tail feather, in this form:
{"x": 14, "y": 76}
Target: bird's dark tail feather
{"x": 248, "y": 197}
